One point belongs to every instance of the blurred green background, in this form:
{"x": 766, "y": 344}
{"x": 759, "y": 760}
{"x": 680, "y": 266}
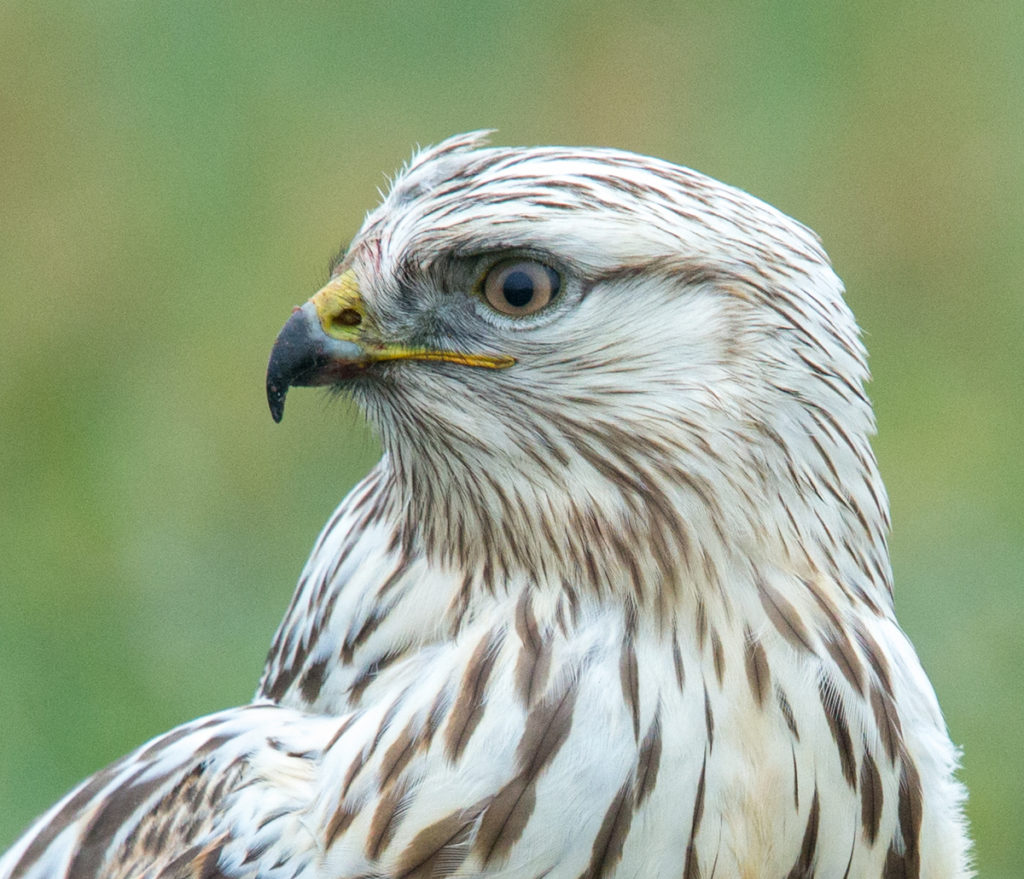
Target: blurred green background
{"x": 175, "y": 177}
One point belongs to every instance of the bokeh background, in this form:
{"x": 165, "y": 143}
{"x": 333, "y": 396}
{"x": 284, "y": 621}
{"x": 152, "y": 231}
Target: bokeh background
{"x": 174, "y": 177}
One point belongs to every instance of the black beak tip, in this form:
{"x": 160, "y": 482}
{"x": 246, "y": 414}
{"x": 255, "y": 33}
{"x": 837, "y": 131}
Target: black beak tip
{"x": 293, "y": 353}
{"x": 304, "y": 355}
{"x": 275, "y": 399}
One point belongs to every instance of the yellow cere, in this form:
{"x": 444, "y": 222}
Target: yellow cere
{"x": 339, "y": 305}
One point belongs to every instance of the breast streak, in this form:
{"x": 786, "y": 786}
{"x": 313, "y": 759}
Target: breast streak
{"x": 751, "y": 776}
{"x": 646, "y": 784}
{"x": 655, "y": 775}
{"x": 747, "y": 816}
{"x": 600, "y": 750}
{"x": 776, "y": 800}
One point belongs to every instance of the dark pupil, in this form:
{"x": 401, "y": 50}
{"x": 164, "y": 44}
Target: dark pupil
{"x": 517, "y": 289}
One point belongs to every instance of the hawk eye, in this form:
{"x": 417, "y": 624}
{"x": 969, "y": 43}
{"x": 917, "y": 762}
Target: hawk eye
{"x": 518, "y": 287}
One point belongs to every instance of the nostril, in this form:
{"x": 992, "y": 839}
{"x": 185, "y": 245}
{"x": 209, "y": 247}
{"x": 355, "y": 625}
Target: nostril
{"x": 347, "y": 317}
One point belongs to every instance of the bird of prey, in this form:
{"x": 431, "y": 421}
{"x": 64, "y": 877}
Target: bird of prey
{"x": 616, "y": 601}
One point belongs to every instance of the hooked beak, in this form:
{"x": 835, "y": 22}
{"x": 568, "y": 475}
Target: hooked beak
{"x": 330, "y": 338}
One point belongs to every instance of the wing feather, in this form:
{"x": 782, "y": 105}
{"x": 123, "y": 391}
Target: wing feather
{"x": 215, "y": 797}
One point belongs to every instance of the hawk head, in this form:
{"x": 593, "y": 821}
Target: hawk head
{"x": 577, "y": 355}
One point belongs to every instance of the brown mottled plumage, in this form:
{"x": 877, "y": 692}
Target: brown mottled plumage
{"x": 616, "y": 602}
